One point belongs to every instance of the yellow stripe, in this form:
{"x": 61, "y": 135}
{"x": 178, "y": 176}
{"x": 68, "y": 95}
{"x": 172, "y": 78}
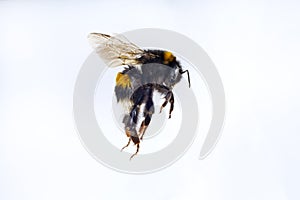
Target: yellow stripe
{"x": 123, "y": 80}
{"x": 168, "y": 57}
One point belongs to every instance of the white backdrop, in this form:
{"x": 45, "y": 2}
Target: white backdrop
{"x": 255, "y": 46}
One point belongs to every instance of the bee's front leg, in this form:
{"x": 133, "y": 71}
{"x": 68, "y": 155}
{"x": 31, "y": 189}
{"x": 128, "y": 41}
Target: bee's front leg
{"x": 169, "y": 98}
{"x": 171, "y": 105}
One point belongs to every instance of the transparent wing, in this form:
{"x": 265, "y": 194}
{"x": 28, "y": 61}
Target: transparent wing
{"x": 115, "y": 50}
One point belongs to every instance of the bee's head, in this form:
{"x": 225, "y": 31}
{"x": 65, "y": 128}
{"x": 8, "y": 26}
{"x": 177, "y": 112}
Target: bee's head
{"x": 170, "y": 59}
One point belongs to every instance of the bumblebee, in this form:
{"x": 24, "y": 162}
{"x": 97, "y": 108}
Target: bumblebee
{"x": 145, "y": 71}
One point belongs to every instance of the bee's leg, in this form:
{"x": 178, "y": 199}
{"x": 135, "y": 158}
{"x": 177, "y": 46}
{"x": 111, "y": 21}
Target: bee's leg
{"x": 130, "y": 122}
{"x": 130, "y": 125}
{"x": 141, "y": 95}
{"x": 167, "y": 97}
{"x": 145, "y": 125}
{"x": 149, "y": 110}
{"x": 133, "y": 118}
{"x": 134, "y": 137}
{"x": 126, "y": 144}
{"x": 171, "y": 104}
{"x": 137, "y": 150}
{"x": 142, "y": 130}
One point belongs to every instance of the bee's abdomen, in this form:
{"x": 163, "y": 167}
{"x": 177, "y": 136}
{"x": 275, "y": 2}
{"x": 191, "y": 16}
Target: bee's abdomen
{"x": 123, "y": 93}
{"x": 126, "y": 82}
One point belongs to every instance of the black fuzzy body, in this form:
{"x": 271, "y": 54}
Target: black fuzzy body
{"x": 153, "y": 74}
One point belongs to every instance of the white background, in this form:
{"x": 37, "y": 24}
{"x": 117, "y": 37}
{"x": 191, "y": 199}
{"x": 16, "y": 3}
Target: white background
{"x": 255, "y": 46}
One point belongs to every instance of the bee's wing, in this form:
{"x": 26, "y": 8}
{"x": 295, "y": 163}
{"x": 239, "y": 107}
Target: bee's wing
{"x": 115, "y": 50}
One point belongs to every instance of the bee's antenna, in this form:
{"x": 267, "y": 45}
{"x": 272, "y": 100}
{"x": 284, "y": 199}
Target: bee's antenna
{"x": 182, "y": 72}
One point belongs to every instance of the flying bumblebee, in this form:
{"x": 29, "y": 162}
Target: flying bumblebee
{"x": 145, "y": 71}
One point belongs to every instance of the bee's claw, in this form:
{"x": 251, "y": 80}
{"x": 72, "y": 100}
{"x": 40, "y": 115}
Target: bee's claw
{"x": 126, "y": 144}
{"x": 137, "y": 150}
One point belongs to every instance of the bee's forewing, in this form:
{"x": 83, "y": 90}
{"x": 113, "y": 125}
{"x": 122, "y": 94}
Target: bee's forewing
{"x": 115, "y": 50}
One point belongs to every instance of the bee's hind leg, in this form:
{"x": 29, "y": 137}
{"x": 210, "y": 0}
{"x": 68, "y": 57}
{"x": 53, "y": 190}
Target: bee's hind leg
{"x": 126, "y": 144}
{"x": 149, "y": 110}
{"x": 130, "y": 121}
{"x": 144, "y": 125}
{"x": 142, "y": 95}
{"x": 142, "y": 130}
{"x": 133, "y": 136}
{"x": 130, "y": 126}
{"x": 137, "y": 150}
